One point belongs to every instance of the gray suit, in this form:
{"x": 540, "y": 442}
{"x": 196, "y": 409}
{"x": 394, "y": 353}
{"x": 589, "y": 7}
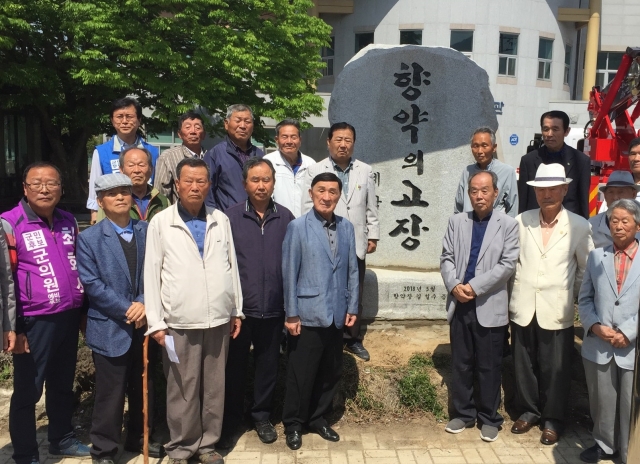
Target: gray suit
{"x": 609, "y": 370}
{"x": 478, "y": 327}
{"x": 496, "y": 264}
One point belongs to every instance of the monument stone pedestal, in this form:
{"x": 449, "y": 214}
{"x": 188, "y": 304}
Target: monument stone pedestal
{"x": 414, "y": 109}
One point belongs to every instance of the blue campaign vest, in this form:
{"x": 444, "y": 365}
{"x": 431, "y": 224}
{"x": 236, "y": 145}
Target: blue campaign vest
{"x": 110, "y": 160}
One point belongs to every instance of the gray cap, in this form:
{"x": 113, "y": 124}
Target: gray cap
{"x": 110, "y": 181}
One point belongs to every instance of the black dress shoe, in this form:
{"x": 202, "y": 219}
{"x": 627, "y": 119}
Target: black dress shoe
{"x": 266, "y": 432}
{"x": 326, "y": 432}
{"x": 156, "y": 450}
{"x": 596, "y": 454}
{"x": 357, "y": 349}
{"x": 294, "y": 439}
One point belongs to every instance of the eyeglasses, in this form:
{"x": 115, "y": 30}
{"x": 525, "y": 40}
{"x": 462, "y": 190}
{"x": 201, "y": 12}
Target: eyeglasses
{"x": 125, "y": 117}
{"x": 37, "y": 186}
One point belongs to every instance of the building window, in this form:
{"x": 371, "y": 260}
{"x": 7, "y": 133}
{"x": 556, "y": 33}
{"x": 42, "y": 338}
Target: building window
{"x": 363, "y": 39}
{"x": 410, "y": 37}
{"x": 545, "y": 54}
{"x": 327, "y": 56}
{"x": 607, "y": 67}
{"x": 508, "y": 52}
{"x": 567, "y": 63}
{"x": 462, "y": 41}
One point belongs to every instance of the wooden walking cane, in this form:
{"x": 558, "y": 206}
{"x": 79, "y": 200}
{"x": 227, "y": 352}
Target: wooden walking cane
{"x": 145, "y": 399}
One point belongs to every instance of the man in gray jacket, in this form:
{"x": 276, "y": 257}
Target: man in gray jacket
{"x": 479, "y": 255}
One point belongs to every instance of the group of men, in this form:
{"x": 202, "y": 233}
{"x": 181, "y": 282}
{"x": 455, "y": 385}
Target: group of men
{"x": 228, "y": 247}
{"x": 525, "y": 270}
{"x": 164, "y": 226}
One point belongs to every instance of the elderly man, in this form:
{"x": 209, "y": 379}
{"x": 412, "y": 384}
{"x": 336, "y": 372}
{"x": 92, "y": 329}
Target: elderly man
{"x": 193, "y": 305}
{"x": 225, "y": 160}
{"x": 483, "y": 149}
{"x": 608, "y": 306}
{"x": 7, "y": 297}
{"x": 357, "y": 204}
{"x": 126, "y": 117}
{"x": 555, "y": 127}
{"x": 554, "y": 245}
{"x": 291, "y": 167}
{"x": 479, "y": 254}
{"x": 116, "y": 318}
{"x": 147, "y": 201}
{"x": 42, "y": 244}
{"x": 320, "y": 271}
{"x": 620, "y": 185}
{"x": 191, "y": 131}
{"x": 258, "y": 226}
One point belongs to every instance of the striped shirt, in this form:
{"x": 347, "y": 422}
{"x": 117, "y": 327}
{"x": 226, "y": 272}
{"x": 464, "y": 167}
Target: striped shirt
{"x": 622, "y": 260}
{"x": 165, "y": 174}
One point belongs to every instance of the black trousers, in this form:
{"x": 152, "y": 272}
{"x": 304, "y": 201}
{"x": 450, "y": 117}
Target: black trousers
{"x": 265, "y": 335}
{"x": 542, "y": 368}
{"x": 313, "y": 373}
{"x": 353, "y": 332}
{"x": 115, "y": 377}
{"x": 53, "y": 342}
{"x": 475, "y": 350}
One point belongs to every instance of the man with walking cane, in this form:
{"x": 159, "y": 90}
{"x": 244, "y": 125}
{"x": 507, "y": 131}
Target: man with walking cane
{"x": 110, "y": 263}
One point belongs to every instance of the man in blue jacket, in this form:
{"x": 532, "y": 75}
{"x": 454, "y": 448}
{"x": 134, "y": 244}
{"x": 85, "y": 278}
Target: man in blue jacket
{"x": 259, "y": 226}
{"x": 110, "y": 263}
{"x": 225, "y": 160}
{"x": 320, "y": 272}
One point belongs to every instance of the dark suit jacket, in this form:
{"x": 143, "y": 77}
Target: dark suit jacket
{"x": 104, "y": 273}
{"x": 577, "y": 166}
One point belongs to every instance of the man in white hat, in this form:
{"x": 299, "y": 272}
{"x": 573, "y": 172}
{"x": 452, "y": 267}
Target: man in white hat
{"x": 620, "y": 186}
{"x": 554, "y": 245}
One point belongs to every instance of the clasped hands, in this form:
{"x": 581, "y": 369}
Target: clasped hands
{"x": 463, "y": 293}
{"x": 615, "y": 337}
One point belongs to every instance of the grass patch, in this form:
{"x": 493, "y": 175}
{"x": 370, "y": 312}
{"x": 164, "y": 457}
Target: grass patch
{"x": 415, "y": 389}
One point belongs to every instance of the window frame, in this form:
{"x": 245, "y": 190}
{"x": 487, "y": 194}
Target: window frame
{"x": 411, "y": 30}
{"x": 328, "y": 58}
{"x": 508, "y": 57}
{"x": 467, "y": 53}
{"x": 358, "y": 34}
{"x": 544, "y": 64}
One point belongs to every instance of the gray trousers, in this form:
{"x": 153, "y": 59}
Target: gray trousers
{"x": 195, "y": 390}
{"x": 610, "y": 390}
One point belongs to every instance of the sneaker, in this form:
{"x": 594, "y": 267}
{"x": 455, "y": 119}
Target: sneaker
{"x": 210, "y": 458}
{"x": 75, "y": 450}
{"x": 458, "y": 425}
{"x": 488, "y": 433}
{"x": 266, "y": 432}
{"x": 357, "y": 349}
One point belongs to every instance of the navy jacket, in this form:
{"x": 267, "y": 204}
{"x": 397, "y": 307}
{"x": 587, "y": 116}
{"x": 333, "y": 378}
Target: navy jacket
{"x": 319, "y": 287}
{"x": 259, "y": 253}
{"x": 226, "y": 175}
{"x": 104, "y": 273}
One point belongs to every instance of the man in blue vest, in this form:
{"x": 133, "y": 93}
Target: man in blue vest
{"x": 126, "y": 116}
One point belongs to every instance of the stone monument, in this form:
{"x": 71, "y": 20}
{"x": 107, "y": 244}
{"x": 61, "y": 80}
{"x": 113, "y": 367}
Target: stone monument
{"x": 414, "y": 109}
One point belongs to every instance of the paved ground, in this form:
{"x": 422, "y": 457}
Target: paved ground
{"x": 382, "y": 444}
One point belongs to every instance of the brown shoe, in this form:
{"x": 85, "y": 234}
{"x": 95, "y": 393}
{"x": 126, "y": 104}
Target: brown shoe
{"x": 549, "y": 437}
{"x": 521, "y": 426}
{"x": 210, "y": 458}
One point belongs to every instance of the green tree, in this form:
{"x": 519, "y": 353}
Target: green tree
{"x": 69, "y": 59}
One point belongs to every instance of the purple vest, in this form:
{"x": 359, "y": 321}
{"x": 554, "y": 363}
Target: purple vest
{"x": 44, "y": 262}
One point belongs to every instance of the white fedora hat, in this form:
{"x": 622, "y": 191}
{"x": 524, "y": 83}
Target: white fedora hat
{"x": 549, "y": 175}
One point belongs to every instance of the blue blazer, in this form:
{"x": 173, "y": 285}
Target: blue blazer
{"x": 104, "y": 273}
{"x": 319, "y": 288}
{"x": 600, "y": 301}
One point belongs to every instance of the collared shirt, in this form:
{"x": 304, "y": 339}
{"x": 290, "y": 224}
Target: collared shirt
{"x": 125, "y": 232}
{"x": 622, "y": 260}
{"x": 271, "y": 208}
{"x": 143, "y": 203}
{"x": 548, "y": 228}
{"x": 243, "y": 155}
{"x": 193, "y": 153}
{"x": 477, "y": 236}
{"x": 554, "y": 156}
{"x": 197, "y": 225}
{"x": 121, "y": 145}
{"x": 343, "y": 175}
{"x": 296, "y": 166}
{"x": 331, "y": 230}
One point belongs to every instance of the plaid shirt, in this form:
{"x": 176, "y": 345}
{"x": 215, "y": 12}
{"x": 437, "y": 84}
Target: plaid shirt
{"x": 622, "y": 260}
